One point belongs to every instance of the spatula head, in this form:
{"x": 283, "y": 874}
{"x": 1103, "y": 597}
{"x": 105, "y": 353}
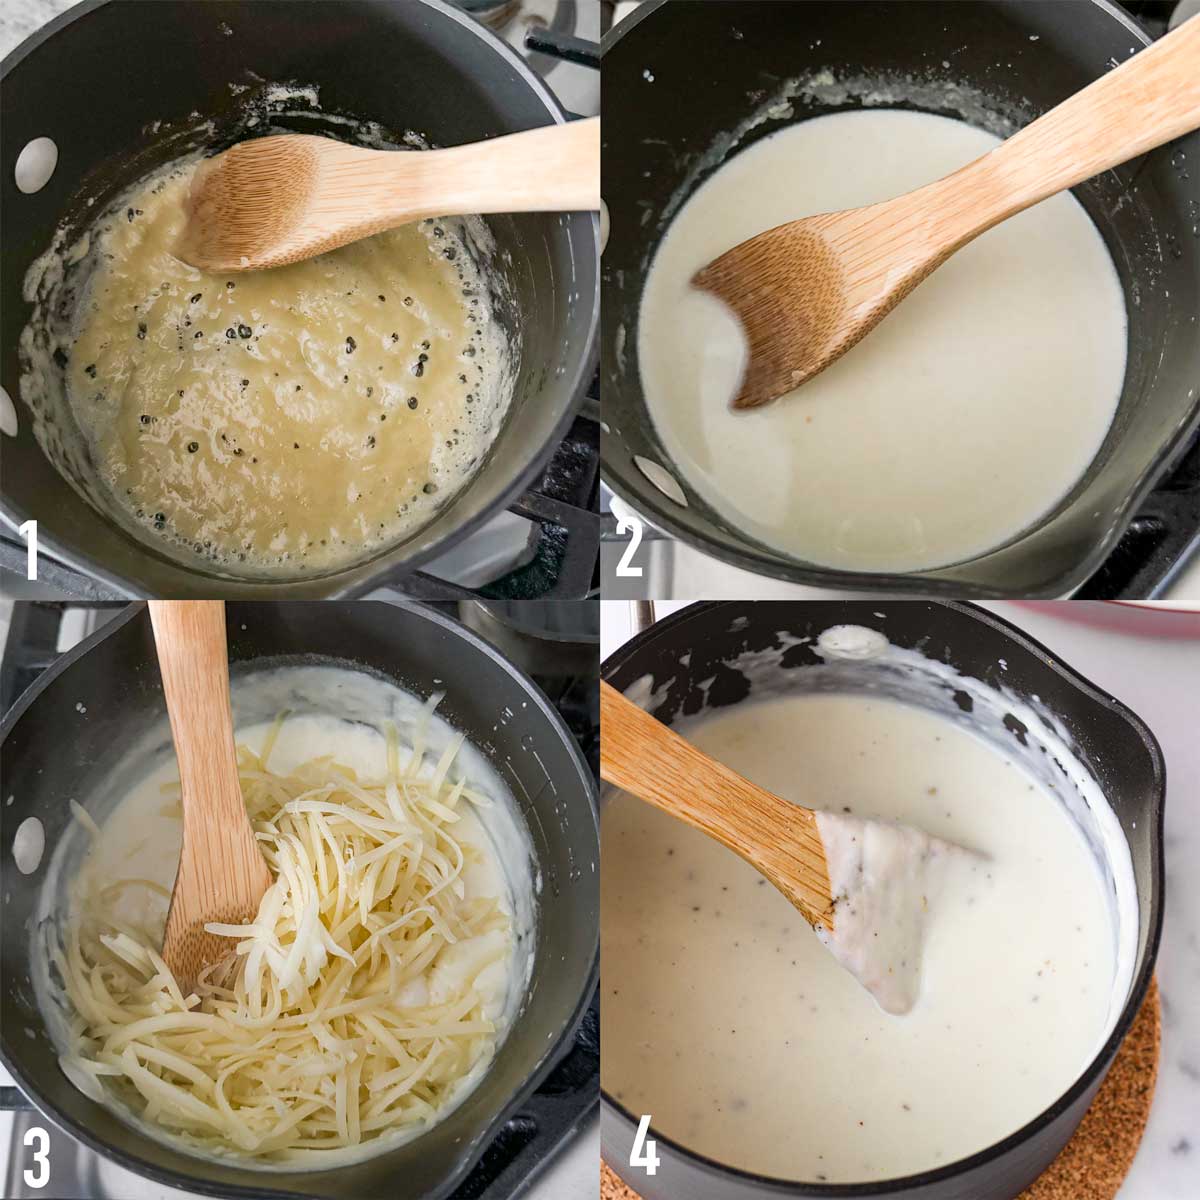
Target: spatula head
{"x": 245, "y": 205}
{"x": 224, "y": 885}
{"x": 887, "y": 881}
{"x": 807, "y": 291}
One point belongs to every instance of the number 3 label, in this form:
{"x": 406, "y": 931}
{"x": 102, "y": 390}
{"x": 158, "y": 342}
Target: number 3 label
{"x": 38, "y": 1175}
{"x": 643, "y": 1153}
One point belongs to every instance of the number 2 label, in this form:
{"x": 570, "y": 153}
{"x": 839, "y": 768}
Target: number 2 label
{"x": 643, "y": 1153}
{"x": 625, "y": 568}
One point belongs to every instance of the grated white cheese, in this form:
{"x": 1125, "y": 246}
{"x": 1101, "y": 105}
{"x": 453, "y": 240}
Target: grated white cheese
{"x": 352, "y": 1010}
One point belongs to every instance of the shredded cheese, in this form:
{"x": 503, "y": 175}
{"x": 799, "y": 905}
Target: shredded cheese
{"x": 352, "y": 1010}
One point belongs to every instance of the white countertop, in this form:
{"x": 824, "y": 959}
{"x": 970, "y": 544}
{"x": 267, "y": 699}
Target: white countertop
{"x": 19, "y": 18}
{"x": 1159, "y": 678}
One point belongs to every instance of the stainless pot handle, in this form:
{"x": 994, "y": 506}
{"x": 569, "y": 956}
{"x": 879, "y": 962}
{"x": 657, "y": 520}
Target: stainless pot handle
{"x": 643, "y": 615}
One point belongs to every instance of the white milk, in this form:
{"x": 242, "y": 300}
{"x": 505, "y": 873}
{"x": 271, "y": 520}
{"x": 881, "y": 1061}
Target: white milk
{"x": 962, "y": 420}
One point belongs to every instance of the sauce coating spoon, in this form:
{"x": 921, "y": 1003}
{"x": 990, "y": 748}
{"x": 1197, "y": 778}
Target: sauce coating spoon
{"x": 866, "y": 887}
{"x": 280, "y": 199}
{"x": 808, "y": 290}
{"x": 222, "y": 873}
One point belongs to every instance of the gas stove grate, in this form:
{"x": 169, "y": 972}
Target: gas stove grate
{"x": 1160, "y": 539}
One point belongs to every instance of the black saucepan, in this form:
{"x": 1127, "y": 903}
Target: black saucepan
{"x": 95, "y": 80}
{"x": 711, "y": 65}
{"x": 1112, "y": 742}
{"x": 53, "y": 751}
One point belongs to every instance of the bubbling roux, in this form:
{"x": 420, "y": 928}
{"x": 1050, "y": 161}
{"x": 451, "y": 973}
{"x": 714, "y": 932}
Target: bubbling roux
{"x": 725, "y": 1018}
{"x": 273, "y": 422}
{"x": 958, "y": 423}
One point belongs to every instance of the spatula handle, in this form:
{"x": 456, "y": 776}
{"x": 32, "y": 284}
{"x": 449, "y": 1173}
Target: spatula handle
{"x": 1148, "y": 100}
{"x": 190, "y": 639}
{"x": 643, "y": 757}
{"x": 555, "y": 168}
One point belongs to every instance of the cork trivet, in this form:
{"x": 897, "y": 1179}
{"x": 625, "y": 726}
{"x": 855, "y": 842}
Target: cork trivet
{"x": 1096, "y": 1160}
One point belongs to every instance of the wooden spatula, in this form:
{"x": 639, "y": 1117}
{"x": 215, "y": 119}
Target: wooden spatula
{"x": 277, "y": 200}
{"x": 809, "y": 290}
{"x": 222, "y": 873}
{"x": 867, "y": 887}
{"x": 779, "y": 839}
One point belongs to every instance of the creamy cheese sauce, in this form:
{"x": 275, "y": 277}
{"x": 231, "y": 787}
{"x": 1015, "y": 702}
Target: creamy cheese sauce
{"x": 962, "y": 420}
{"x": 884, "y": 879}
{"x": 726, "y": 1019}
{"x": 270, "y": 422}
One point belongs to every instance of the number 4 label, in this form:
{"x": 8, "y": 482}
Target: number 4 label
{"x": 29, "y": 532}
{"x": 643, "y": 1153}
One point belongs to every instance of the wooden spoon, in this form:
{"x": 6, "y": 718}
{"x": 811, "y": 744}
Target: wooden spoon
{"x": 779, "y": 839}
{"x": 808, "y": 290}
{"x": 277, "y": 200}
{"x": 222, "y": 873}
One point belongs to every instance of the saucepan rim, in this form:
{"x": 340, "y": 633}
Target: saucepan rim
{"x": 620, "y": 659}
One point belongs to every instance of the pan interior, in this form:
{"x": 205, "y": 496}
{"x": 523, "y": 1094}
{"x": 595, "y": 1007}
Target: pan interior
{"x": 352, "y": 705}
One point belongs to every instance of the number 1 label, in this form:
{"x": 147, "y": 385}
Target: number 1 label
{"x": 29, "y": 532}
